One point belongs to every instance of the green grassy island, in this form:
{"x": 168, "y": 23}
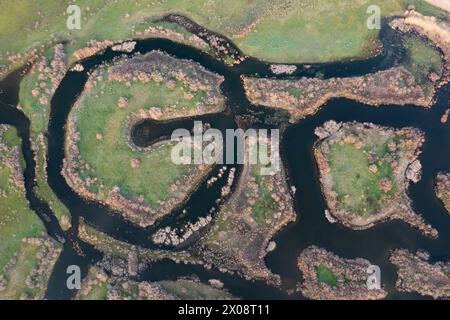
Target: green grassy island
{"x": 365, "y": 172}
{"x": 103, "y": 164}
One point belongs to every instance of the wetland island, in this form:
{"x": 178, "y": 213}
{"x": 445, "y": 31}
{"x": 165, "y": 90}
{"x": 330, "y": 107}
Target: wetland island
{"x": 332, "y": 116}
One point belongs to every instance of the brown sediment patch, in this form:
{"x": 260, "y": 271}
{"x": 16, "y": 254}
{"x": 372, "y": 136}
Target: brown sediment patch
{"x": 347, "y": 278}
{"x": 401, "y": 158}
{"x": 417, "y": 274}
{"x": 443, "y": 189}
{"x": 239, "y": 240}
{"x": 305, "y": 96}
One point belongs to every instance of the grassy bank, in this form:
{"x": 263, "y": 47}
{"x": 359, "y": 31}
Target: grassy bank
{"x": 17, "y": 221}
{"x": 283, "y": 31}
{"x": 21, "y": 260}
{"x": 265, "y": 206}
{"x": 38, "y": 112}
{"x": 423, "y": 60}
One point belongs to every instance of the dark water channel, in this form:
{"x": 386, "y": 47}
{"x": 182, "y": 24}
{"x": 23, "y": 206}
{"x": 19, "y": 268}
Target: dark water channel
{"x": 311, "y": 226}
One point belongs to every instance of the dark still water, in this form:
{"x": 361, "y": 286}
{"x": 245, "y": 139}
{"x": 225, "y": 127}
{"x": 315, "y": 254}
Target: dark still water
{"x": 311, "y": 226}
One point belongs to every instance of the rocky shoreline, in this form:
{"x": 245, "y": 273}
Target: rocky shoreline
{"x": 125, "y": 263}
{"x": 135, "y": 258}
{"x": 117, "y": 288}
{"x": 222, "y": 48}
{"x": 36, "y": 90}
{"x": 178, "y": 236}
{"x": 10, "y": 156}
{"x": 417, "y": 274}
{"x": 403, "y": 161}
{"x": 50, "y": 75}
{"x": 139, "y": 213}
{"x": 166, "y": 33}
{"x": 397, "y": 86}
{"x": 92, "y": 49}
{"x": 99, "y": 285}
{"x": 329, "y": 277}
{"x": 443, "y": 189}
{"x": 28, "y": 260}
{"x": 163, "y": 68}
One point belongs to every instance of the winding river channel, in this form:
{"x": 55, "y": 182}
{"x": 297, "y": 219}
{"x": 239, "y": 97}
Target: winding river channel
{"x": 311, "y": 226}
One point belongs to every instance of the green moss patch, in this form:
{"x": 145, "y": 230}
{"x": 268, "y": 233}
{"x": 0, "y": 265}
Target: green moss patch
{"x": 326, "y": 275}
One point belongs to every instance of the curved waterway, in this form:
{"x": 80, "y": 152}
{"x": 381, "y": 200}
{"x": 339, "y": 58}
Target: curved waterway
{"x": 311, "y": 226}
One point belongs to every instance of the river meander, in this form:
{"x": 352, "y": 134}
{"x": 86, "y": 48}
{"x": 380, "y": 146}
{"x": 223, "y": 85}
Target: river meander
{"x": 311, "y": 226}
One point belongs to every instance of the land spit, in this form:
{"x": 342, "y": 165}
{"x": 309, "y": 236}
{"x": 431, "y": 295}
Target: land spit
{"x": 305, "y": 96}
{"x": 416, "y": 274}
{"x": 329, "y": 277}
{"x": 443, "y": 189}
{"x": 240, "y": 238}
